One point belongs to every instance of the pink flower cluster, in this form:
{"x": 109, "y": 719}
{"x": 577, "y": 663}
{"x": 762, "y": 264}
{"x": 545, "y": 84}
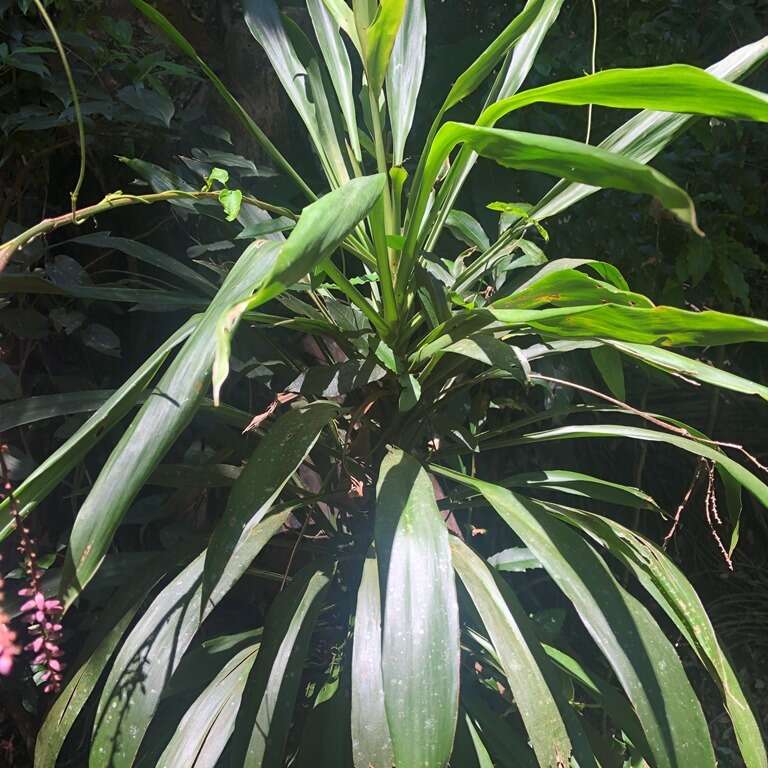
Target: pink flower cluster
{"x": 41, "y": 615}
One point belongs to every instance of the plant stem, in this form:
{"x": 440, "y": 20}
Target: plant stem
{"x": 75, "y": 105}
{"x": 357, "y": 298}
{"x": 383, "y": 253}
{"x": 594, "y": 63}
{"x": 116, "y": 200}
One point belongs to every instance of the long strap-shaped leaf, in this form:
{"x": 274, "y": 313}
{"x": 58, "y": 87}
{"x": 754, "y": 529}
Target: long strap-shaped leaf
{"x": 675, "y": 87}
{"x": 469, "y": 751}
{"x": 404, "y": 73}
{"x": 551, "y": 155}
{"x": 669, "y": 587}
{"x": 508, "y": 81}
{"x": 569, "y": 287}
{"x": 667, "y": 326}
{"x": 150, "y": 655}
{"x": 420, "y": 645}
{"x": 647, "y": 133}
{"x": 578, "y": 484}
{"x": 477, "y": 72}
{"x": 49, "y": 474}
{"x": 337, "y": 62}
{"x": 726, "y": 464}
{"x": 142, "y": 668}
{"x": 264, "y": 22}
{"x": 378, "y": 38}
{"x": 266, "y": 711}
{"x": 95, "y": 656}
{"x": 206, "y": 727}
{"x": 613, "y": 701}
{"x": 508, "y": 745}
{"x": 152, "y": 432}
{"x": 371, "y": 744}
{"x": 643, "y": 659}
{"x": 551, "y": 725}
{"x": 280, "y": 452}
{"x": 321, "y": 229}
{"x": 691, "y": 368}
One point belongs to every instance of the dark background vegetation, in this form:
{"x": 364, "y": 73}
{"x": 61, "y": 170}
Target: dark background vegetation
{"x": 141, "y": 101}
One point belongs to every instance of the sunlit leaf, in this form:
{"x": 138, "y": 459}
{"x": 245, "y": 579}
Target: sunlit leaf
{"x": 420, "y": 641}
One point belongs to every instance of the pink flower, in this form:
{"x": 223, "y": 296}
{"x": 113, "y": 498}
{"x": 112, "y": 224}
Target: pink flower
{"x": 41, "y": 616}
{"x": 8, "y": 648}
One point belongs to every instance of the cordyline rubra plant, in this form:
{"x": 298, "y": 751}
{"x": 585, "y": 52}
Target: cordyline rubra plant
{"x": 386, "y": 639}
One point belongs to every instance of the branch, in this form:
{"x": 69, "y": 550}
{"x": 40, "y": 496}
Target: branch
{"x": 117, "y": 200}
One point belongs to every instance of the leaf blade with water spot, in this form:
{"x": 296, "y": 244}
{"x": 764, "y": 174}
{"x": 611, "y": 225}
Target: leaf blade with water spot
{"x": 420, "y": 642}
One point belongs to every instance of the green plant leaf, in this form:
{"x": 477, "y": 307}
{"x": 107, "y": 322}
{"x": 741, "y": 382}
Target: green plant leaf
{"x": 672, "y": 88}
{"x": 690, "y": 368}
{"x": 404, "y": 74}
{"x": 31, "y": 409}
{"x": 732, "y": 468}
{"x": 667, "y": 326}
{"x": 332, "y": 380}
{"x": 608, "y": 363}
{"x": 508, "y": 746}
{"x": 91, "y": 663}
{"x": 371, "y": 743}
{"x": 149, "y": 255}
{"x": 321, "y": 229}
{"x": 410, "y": 394}
{"x": 295, "y": 71}
{"x": 337, "y": 62}
{"x": 612, "y": 700}
{"x": 378, "y": 40}
{"x": 643, "y": 659}
{"x": 647, "y": 133}
{"x": 330, "y": 138}
{"x": 523, "y": 55}
{"x": 533, "y": 684}
{"x": 156, "y": 299}
{"x": 205, "y": 729}
{"x": 468, "y": 749}
{"x": 467, "y": 229}
{"x": 326, "y": 733}
{"x": 538, "y": 17}
{"x": 234, "y": 543}
{"x": 551, "y": 155}
{"x": 420, "y": 643}
{"x": 264, "y": 718}
{"x": 514, "y": 560}
{"x": 143, "y": 667}
{"x": 487, "y": 349}
{"x": 43, "y": 479}
{"x": 231, "y": 200}
{"x": 587, "y": 486}
{"x": 669, "y": 587}
{"x": 163, "y": 416}
{"x": 344, "y": 17}
{"x": 568, "y": 287}
{"x": 471, "y": 79}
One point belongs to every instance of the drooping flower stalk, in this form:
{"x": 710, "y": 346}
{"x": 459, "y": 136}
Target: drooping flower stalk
{"x": 40, "y": 614}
